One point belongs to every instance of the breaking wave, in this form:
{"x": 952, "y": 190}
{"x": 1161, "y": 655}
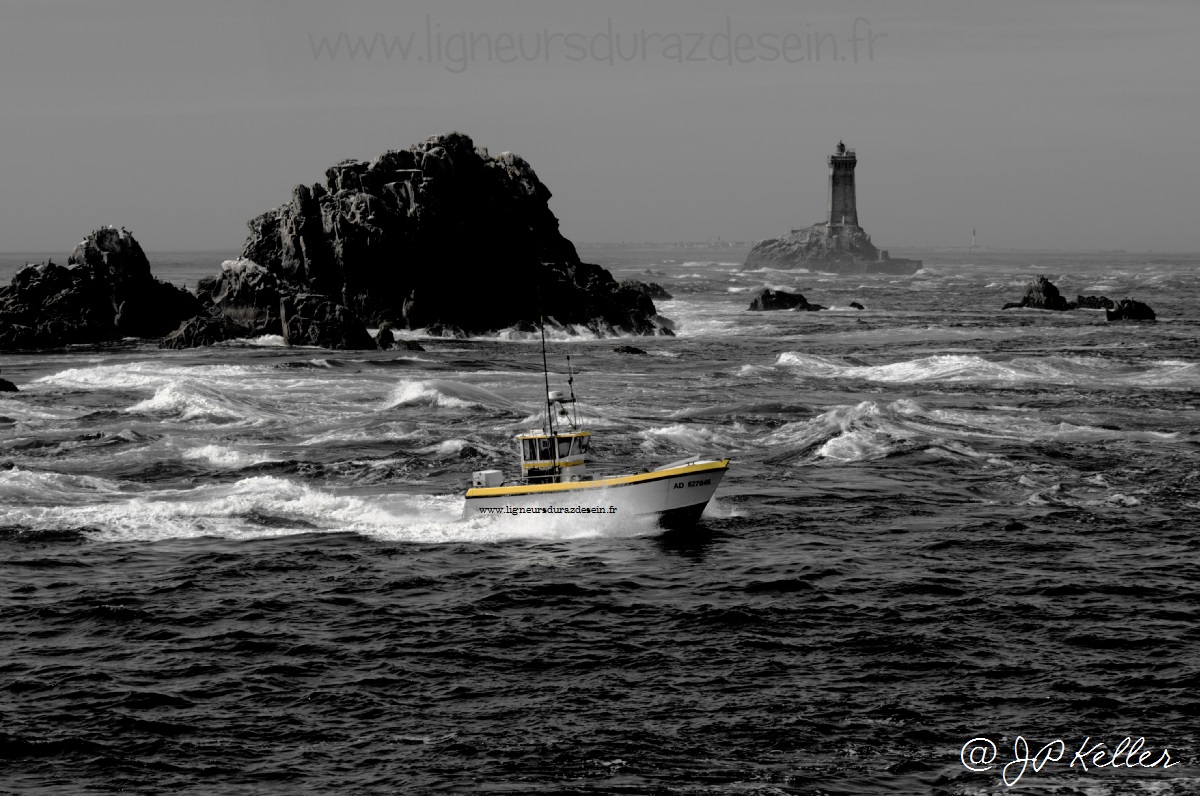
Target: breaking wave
{"x": 447, "y": 395}
{"x": 1090, "y": 372}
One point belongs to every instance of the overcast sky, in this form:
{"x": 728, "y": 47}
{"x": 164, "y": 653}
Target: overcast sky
{"x": 1069, "y": 124}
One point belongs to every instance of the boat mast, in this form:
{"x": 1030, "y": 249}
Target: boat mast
{"x": 546, "y": 377}
{"x": 571, "y": 385}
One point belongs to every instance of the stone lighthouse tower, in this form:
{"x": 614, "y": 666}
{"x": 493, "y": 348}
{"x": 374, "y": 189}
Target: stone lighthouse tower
{"x": 843, "y": 208}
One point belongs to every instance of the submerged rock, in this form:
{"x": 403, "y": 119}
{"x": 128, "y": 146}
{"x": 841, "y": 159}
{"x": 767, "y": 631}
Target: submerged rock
{"x": 781, "y": 300}
{"x": 441, "y": 236}
{"x": 1130, "y": 310}
{"x": 384, "y": 339}
{"x": 104, "y": 293}
{"x": 857, "y": 306}
{"x": 629, "y": 349}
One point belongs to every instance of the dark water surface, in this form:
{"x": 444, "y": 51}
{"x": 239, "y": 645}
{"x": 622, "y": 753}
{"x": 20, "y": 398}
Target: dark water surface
{"x": 242, "y": 569}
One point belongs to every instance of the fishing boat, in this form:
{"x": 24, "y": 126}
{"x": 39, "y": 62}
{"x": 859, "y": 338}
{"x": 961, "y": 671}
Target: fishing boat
{"x": 555, "y": 479}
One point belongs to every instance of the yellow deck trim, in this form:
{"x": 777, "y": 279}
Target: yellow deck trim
{"x": 622, "y": 480}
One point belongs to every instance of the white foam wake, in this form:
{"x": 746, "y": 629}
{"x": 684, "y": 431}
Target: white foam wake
{"x": 268, "y": 506}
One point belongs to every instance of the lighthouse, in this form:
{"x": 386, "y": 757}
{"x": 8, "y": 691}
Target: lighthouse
{"x": 843, "y": 206}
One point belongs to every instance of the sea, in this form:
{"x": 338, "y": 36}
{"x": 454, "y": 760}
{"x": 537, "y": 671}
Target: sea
{"x": 956, "y": 551}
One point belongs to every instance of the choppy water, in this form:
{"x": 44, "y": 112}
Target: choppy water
{"x": 241, "y": 569}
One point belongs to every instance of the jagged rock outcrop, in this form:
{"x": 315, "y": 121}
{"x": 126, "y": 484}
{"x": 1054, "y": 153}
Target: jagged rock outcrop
{"x": 247, "y": 294}
{"x": 857, "y": 306}
{"x": 104, "y": 293}
{"x": 842, "y": 249}
{"x": 1130, "y": 310}
{"x": 204, "y": 330}
{"x": 312, "y": 319}
{"x": 1094, "y": 303}
{"x": 782, "y": 300}
{"x": 652, "y": 290}
{"x": 441, "y": 235}
{"x": 1043, "y": 295}
{"x": 247, "y": 300}
{"x": 7, "y": 386}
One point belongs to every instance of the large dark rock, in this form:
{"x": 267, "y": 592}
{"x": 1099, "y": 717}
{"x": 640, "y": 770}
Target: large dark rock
{"x": 782, "y": 300}
{"x": 312, "y": 319}
{"x": 247, "y": 294}
{"x": 441, "y": 235}
{"x": 247, "y": 300}
{"x": 841, "y": 249}
{"x": 7, "y": 386}
{"x": 204, "y": 330}
{"x": 1130, "y": 310}
{"x": 1041, "y": 294}
{"x": 104, "y": 293}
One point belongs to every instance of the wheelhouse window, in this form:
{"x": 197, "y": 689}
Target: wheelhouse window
{"x": 544, "y": 450}
{"x": 564, "y": 447}
{"x": 528, "y": 450}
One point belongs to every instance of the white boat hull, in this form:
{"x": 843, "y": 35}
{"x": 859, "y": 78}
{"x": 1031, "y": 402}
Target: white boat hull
{"x": 677, "y": 494}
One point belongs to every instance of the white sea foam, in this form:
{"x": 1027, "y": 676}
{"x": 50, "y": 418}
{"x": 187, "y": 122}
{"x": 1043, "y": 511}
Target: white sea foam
{"x": 697, "y": 438}
{"x": 267, "y": 506}
{"x": 345, "y": 436}
{"x": 557, "y": 334}
{"x": 268, "y": 341}
{"x": 20, "y": 485}
{"x": 859, "y": 445}
{"x": 872, "y": 430}
{"x": 188, "y": 402}
{"x": 144, "y": 374}
{"x": 24, "y": 412}
{"x": 449, "y": 447}
{"x": 220, "y": 456}
{"x": 446, "y": 394}
{"x": 1081, "y": 371}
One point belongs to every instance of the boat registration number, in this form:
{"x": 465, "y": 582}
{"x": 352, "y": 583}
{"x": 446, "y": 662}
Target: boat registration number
{"x": 701, "y": 482}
